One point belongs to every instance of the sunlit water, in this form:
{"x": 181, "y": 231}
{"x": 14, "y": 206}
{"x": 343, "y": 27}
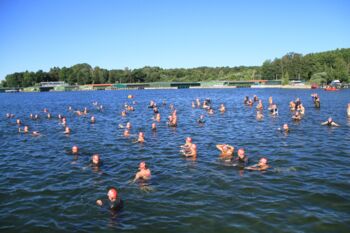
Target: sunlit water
{"x": 44, "y": 188}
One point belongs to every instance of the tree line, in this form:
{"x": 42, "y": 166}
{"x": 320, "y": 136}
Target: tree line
{"x": 316, "y": 67}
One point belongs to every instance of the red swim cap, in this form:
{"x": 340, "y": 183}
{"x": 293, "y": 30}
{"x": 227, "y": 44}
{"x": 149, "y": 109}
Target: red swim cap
{"x": 113, "y": 192}
{"x": 188, "y": 139}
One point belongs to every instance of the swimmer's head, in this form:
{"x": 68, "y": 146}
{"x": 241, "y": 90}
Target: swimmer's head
{"x": 241, "y": 152}
{"x": 142, "y": 165}
{"x": 92, "y": 119}
{"x": 18, "y": 121}
{"x": 263, "y": 161}
{"x": 112, "y": 194}
{"x": 188, "y": 139}
{"x": 75, "y": 150}
{"x": 154, "y": 126}
{"x": 330, "y": 119}
{"x": 224, "y": 147}
{"x": 95, "y": 159}
{"x": 285, "y": 126}
{"x": 141, "y": 134}
{"x": 26, "y": 129}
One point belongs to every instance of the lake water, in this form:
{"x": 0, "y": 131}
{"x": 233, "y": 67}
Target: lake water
{"x": 44, "y": 188}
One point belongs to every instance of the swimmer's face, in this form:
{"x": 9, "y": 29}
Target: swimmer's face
{"x": 285, "y": 126}
{"x": 241, "y": 153}
{"x": 95, "y": 159}
{"x": 142, "y": 166}
{"x": 111, "y": 194}
{"x": 75, "y": 149}
{"x": 262, "y": 161}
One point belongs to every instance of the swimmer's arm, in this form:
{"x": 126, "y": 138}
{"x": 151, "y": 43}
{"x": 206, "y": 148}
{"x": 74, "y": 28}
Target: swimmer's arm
{"x": 137, "y": 176}
{"x": 219, "y": 146}
{"x": 324, "y": 123}
{"x": 253, "y": 167}
{"x": 334, "y": 124}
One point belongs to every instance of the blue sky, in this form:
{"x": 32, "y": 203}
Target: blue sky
{"x": 41, "y": 34}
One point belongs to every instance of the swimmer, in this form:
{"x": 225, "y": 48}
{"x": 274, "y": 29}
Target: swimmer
{"x": 259, "y": 115}
{"x": 152, "y": 104}
{"x": 18, "y": 122}
{"x": 226, "y": 151}
{"x": 198, "y": 103}
{"x": 92, "y": 120}
{"x": 126, "y": 133}
{"x": 141, "y": 138}
{"x": 255, "y": 98}
{"x": 66, "y": 130}
{"x": 189, "y": 149}
{"x": 348, "y": 110}
{"x": 95, "y": 160}
{"x": 241, "y": 159}
{"x": 154, "y": 127}
{"x": 292, "y": 105}
{"x": 273, "y": 109}
{"x": 259, "y": 107}
{"x": 69, "y": 108}
{"x": 201, "y": 119}
{"x": 123, "y": 113}
{"x": 222, "y": 108}
{"x": 63, "y": 121}
{"x": 297, "y": 102}
{"x": 261, "y": 166}
{"x": 246, "y": 100}
{"x": 270, "y": 101}
{"x": 301, "y": 109}
{"x": 193, "y": 104}
{"x": 128, "y": 125}
{"x": 285, "y": 128}
{"x": 329, "y": 122}
{"x": 10, "y": 115}
{"x": 85, "y": 111}
{"x": 144, "y": 172}
{"x": 25, "y": 129}
{"x": 296, "y": 116}
{"x": 316, "y": 100}
{"x": 155, "y": 110}
{"x": 75, "y": 150}
{"x": 172, "y": 122}
{"x": 45, "y": 110}
{"x": 48, "y": 116}
{"x": 157, "y": 118}
{"x": 210, "y": 111}
{"x": 114, "y": 202}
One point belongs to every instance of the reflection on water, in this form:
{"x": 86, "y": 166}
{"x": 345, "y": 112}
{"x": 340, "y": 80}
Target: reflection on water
{"x": 44, "y": 187}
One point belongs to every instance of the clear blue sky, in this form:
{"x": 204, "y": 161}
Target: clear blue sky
{"x": 40, "y": 34}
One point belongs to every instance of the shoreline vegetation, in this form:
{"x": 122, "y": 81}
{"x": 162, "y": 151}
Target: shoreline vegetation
{"x": 314, "y": 68}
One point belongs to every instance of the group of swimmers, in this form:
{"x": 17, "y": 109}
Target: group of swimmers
{"x": 189, "y": 149}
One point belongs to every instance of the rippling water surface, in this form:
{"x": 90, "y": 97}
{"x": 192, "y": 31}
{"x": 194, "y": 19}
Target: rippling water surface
{"x": 44, "y": 188}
